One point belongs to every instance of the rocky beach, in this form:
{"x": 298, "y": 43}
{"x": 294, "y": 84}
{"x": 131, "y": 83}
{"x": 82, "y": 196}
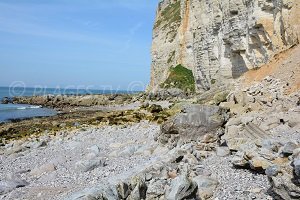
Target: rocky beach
{"x": 219, "y": 120}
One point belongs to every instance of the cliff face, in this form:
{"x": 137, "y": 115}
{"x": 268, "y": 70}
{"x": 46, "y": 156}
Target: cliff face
{"x": 219, "y": 40}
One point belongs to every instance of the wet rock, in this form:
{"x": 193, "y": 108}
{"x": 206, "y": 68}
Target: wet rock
{"x": 182, "y": 188}
{"x": 155, "y": 108}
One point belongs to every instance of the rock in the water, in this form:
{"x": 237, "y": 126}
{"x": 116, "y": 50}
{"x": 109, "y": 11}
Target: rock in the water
{"x": 182, "y": 188}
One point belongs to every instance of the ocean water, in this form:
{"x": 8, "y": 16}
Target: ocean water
{"x": 10, "y": 112}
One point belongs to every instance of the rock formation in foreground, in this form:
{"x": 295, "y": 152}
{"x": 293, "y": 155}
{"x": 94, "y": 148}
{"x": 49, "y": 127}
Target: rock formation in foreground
{"x": 219, "y": 40}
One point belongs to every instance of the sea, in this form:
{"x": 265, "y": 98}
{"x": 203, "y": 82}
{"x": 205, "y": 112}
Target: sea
{"x": 13, "y": 112}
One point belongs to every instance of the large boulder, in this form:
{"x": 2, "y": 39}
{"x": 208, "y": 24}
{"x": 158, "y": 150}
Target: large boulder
{"x": 192, "y": 123}
{"x": 182, "y": 188}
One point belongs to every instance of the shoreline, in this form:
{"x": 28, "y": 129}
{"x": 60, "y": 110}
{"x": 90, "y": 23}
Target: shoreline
{"x": 76, "y": 117}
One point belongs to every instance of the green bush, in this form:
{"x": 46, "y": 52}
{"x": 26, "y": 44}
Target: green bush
{"x": 180, "y": 77}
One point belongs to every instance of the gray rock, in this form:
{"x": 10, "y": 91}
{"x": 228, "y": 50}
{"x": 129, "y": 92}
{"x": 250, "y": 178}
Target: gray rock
{"x": 102, "y": 192}
{"x": 128, "y": 151}
{"x": 222, "y": 151}
{"x": 11, "y": 183}
{"x": 193, "y": 122}
{"x": 95, "y": 149}
{"x": 182, "y": 188}
{"x": 271, "y": 145}
{"x": 156, "y": 188}
{"x": 289, "y": 148}
{"x": 123, "y": 190}
{"x": 139, "y": 188}
{"x": 37, "y": 171}
{"x": 206, "y": 186}
{"x": 296, "y": 164}
{"x": 88, "y": 165}
{"x": 272, "y": 170}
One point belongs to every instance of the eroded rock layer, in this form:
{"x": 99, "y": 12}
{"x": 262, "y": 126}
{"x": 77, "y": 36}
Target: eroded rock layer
{"x": 219, "y": 40}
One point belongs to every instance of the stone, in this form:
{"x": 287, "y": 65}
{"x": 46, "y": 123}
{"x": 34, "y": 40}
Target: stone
{"x": 272, "y": 170}
{"x": 123, "y": 190}
{"x": 283, "y": 186}
{"x": 101, "y": 192}
{"x": 192, "y": 123}
{"x": 139, "y": 188}
{"x": 206, "y": 186}
{"x": 156, "y": 188}
{"x": 95, "y": 149}
{"x": 182, "y": 188}
{"x": 222, "y": 151}
{"x": 258, "y": 163}
{"x": 296, "y": 164}
{"x": 12, "y": 182}
{"x": 89, "y": 165}
{"x": 155, "y": 108}
{"x": 46, "y": 168}
{"x": 288, "y": 148}
{"x": 239, "y": 160}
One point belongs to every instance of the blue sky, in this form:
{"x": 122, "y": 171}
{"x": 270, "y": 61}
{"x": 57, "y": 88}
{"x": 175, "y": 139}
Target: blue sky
{"x": 82, "y": 43}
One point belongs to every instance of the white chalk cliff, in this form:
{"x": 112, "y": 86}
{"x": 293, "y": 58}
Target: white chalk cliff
{"x": 219, "y": 40}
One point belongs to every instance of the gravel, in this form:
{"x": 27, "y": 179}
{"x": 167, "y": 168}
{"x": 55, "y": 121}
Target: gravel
{"x": 65, "y": 151}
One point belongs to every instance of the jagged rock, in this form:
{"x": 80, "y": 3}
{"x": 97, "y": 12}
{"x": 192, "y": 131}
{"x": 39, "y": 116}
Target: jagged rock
{"x": 139, "y": 188}
{"x": 283, "y": 186}
{"x": 272, "y": 170}
{"x": 182, "y": 188}
{"x": 88, "y": 165}
{"x": 156, "y": 188}
{"x": 296, "y": 164}
{"x": 102, "y": 192}
{"x": 206, "y": 186}
{"x": 195, "y": 121}
{"x": 288, "y": 148}
{"x": 123, "y": 190}
{"x": 12, "y": 182}
{"x": 238, "y": 133}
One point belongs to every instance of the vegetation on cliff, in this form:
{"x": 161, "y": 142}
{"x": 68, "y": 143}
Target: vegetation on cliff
{"x": 180, "y": 77}
{"x": 169, "y": 16}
